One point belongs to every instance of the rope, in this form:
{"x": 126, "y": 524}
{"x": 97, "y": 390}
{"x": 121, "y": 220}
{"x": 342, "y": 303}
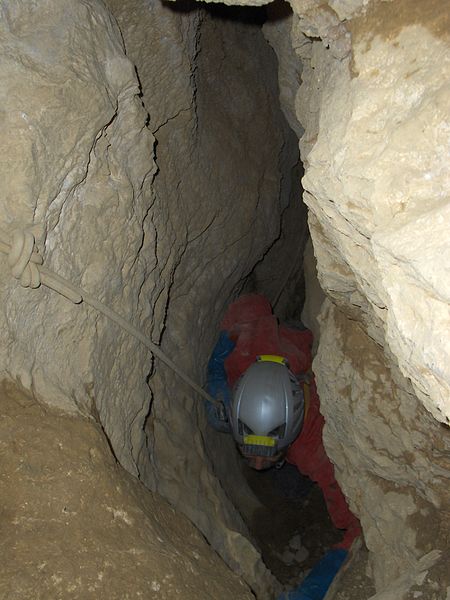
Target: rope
{"x": 27, "y": 266}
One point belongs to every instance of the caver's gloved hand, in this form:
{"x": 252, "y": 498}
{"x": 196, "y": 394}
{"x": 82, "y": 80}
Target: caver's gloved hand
{"x": 316, "y": 584}
{"x": 217, "y": 385}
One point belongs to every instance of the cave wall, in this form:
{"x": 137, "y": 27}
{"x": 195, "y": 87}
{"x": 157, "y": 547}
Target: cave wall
{"x": 378, "y": 429}
{"x": 145, "y": 150}
{"x": 374, "y": 102}
{"x": 390, "y": 175}
{"x": 81, "y": 526}
{"x": 135, "y": 189}
{"x": 225, "y": 157}
{"x": 75, "y": 161}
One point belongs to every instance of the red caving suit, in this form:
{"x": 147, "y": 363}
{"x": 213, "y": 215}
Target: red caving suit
{"x": 255, "y": 330}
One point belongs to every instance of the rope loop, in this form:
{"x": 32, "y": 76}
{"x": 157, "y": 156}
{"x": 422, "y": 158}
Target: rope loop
{"x": 27, "y": 265}
{"x": 24, "y": 259}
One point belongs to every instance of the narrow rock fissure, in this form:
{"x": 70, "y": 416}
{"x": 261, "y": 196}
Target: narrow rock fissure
{"x": 189, "y": 129}
{"x": 292, "y": 527}
{"x": 290, "y": 524}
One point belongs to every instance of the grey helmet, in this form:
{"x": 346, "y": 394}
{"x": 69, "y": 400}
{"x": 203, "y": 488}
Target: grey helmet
{"x": 267, "y": 408}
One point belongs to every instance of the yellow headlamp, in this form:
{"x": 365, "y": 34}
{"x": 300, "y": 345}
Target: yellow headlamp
{"x": 271, "y": 358}
{"x": 259, "y": 440}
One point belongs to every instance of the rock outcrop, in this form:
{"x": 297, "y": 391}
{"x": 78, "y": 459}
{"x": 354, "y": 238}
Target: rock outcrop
{"x": 384, "y": 113}
{"x": 377, "y": 183}
{"x": 144, "y": 147}
{"x": 376, "y": 427}
{"x": 85, "y": 528}
{"x": 145, "y": 150}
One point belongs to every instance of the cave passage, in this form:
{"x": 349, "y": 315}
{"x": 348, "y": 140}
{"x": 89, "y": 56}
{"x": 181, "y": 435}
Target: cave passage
{"x": 151, "y": 158}
{"x": 290, "y": 524}
{"x": 292, "y": 527}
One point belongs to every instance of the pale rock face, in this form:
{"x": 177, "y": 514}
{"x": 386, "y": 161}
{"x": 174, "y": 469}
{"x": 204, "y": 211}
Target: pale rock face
{"x": 76, "y": 157}
{"x": 164, "y": 228}
{"x": 314, "y": 295}
{"x": 380, "y": 430}
{"x": 376, "y": 173}
{"x": 387, "y": 199}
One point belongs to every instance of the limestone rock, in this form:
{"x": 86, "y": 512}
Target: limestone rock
{"x": 296, "y": 542}
{"x": 165, "y": 243}
{"x": 377, "y": 181}
{"x": 314, "y": 295}
{"x": 82, "y": 526}
{"x": 278, "y": 32}
{"x": 420, "y": 580}
{"x": 218, "y": 208}
{"x": 168, "y": 242}
{"x": 381, "y": 432}
{"x": 78, "y": 159}
{"x": 319, "y": 20}
{"x": 378, "y": 210}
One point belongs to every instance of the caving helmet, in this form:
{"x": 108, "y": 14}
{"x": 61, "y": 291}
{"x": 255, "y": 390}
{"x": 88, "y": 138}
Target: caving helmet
{"x": 267, "y": 408}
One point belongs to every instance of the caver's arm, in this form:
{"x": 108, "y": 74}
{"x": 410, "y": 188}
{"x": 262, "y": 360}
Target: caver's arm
{"x": 217, "y": 385}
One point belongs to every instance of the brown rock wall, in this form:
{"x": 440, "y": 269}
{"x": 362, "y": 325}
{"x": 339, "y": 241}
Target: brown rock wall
{"x": 85, "y": 528}
{"x": 379, "y": 431}
{"x": 157, "y": 190}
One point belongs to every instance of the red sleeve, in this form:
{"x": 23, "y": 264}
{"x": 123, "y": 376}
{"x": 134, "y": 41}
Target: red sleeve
{"x": 255, "y": 330}
{"x": 247, "y": 308}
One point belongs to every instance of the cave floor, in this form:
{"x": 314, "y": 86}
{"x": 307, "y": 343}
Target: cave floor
{"x": 352, "y": 583}
{"x": 76, "y": 525}
{"x": 293, "y": 528}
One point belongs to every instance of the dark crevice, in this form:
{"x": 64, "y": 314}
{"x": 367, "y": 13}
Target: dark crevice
{"x": 291, "y": 525}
